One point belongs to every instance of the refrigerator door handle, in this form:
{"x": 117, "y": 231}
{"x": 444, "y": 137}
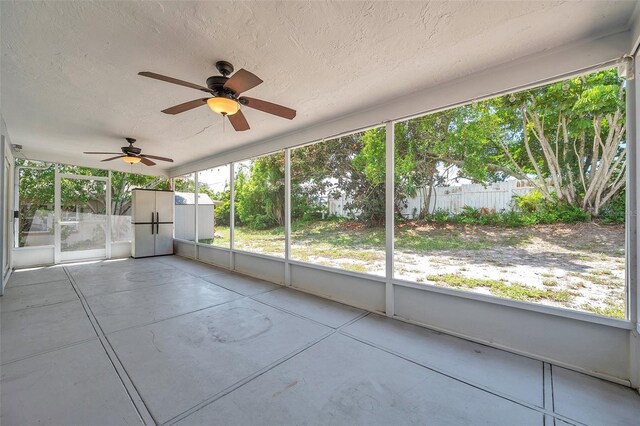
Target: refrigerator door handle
{"x": 157, "y": 223}
{"x": 152, "y": 222}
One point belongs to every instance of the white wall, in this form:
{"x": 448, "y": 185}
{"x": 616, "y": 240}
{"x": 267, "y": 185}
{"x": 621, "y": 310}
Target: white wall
{"x": 25, "y": 257}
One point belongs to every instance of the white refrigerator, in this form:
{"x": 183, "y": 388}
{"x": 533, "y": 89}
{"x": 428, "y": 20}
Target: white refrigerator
{"x": 152, "y": 222}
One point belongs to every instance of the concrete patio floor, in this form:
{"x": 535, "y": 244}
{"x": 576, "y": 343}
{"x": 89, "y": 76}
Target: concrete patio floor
{"x": 169, "y": 340}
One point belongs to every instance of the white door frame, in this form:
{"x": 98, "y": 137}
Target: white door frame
{"x": 81, "y": 254}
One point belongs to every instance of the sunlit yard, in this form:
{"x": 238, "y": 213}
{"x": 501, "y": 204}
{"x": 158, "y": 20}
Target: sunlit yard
{"x": 579, "y": 266}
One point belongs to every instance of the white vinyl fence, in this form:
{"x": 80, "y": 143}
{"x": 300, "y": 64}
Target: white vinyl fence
{"x": 494, "y": 197}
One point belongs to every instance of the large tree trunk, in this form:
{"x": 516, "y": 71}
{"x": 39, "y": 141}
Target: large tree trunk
{"x": 601, "y": 172}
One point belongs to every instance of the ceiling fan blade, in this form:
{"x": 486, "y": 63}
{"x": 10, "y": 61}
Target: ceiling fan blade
{"x": 101, "y": 153}
{"x": 113, "y": 158}
{"x": 147, "y": 162}
{"x": 177, "y": 109}
{"x": 242, "y": 81}
{"x": 268, "y": 107}
{"x": 238, "y": 121}
{"x": 173, "y": 80}
{"x": 155, "y": 157}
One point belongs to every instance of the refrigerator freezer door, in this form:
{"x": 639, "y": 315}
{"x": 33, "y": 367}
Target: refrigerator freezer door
{"x": 144, "y": 204}
{"x": 143, "y": 242}
{"x": 164, "y": 239}
{"x": 164, "y": 206}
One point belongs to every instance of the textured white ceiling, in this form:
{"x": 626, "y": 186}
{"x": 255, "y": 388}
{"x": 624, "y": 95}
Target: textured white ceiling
{"x": 69, "y": 78}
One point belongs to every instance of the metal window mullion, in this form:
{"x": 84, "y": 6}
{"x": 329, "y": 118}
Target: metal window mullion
{"x": 632, "y": 226}
{"x": 57, "y": 216}
{"x": 389, "y": 217}
{"x": 195, "y": 215}
{"x": 173, "y": 207}
{"x": 287, "y": 216}
{"x": 632, "y": 204}
{"x": 108, "y": 217}
{"x": 232, "y": 215}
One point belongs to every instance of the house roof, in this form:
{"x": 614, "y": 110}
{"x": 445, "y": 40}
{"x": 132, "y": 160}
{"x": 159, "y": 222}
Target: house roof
{"x": 189, "y": 198}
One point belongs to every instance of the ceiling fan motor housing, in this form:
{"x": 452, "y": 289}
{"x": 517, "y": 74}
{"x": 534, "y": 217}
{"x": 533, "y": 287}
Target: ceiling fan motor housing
{"x": 131, "y": 150}
{"x": 216, "y": 84}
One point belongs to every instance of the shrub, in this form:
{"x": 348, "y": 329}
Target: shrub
{"x": 222, "y": 213}
{"x": 439, "y": 216}
{"x": 530, "y": 209}
{"x": 535, "y": 209}
{"x": 262, "y": 221}
{"x": 568, "y": 213}
{"x": 615, "y": 210}
{"x": 469, "y": 216}
{"x": 530, "y": 203}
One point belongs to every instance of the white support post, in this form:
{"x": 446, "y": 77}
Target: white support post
{"x": 172, "y": 188}
{"x": 195, "y": 216}
{"x": 3, "y": 209}
{"x": 389, "y": 216}
{"x": 232, "y": 214}
{"x": 108, "y": 218}
{"x": 287, "y": 216}
{"x": 633, "y": 224}
{"x": 57, "y": 217}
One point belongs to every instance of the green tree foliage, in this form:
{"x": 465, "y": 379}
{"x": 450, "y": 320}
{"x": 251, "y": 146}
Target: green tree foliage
{"x": 349, "y": 166}
{"x": 123, "y": 183}
{"x": 566, "y": 139}
{"x": 260, "y": 195}
{"x": 222, "y": 212}
{"x": 36, "y": 198}
{"x": 184, "y": 184}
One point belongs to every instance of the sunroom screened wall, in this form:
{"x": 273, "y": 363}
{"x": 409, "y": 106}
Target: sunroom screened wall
{"x": 388, "y": 295}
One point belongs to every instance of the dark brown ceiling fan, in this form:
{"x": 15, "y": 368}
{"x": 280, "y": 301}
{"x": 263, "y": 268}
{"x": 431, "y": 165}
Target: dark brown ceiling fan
{"x": 226, "y": 98}
{"x": 132, "y": 155}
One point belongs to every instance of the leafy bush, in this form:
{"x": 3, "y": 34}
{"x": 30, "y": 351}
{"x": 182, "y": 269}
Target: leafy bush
{"x": 439, "y": 216}
{"x": 262, "y": 221}
{"x": 473, "y": 216}
{"x": 538, "y": 209}
{"x": 535, "y": 210}
{"x": 568, "y": 213}
{"x": 615, "y": 210}
{"x": 222, "y": 213}
{"x": 530, "y": 203}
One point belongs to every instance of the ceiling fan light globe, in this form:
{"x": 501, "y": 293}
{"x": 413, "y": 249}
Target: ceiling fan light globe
{"x": 130, "y": 159}
{"x": 224, "y": 106}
